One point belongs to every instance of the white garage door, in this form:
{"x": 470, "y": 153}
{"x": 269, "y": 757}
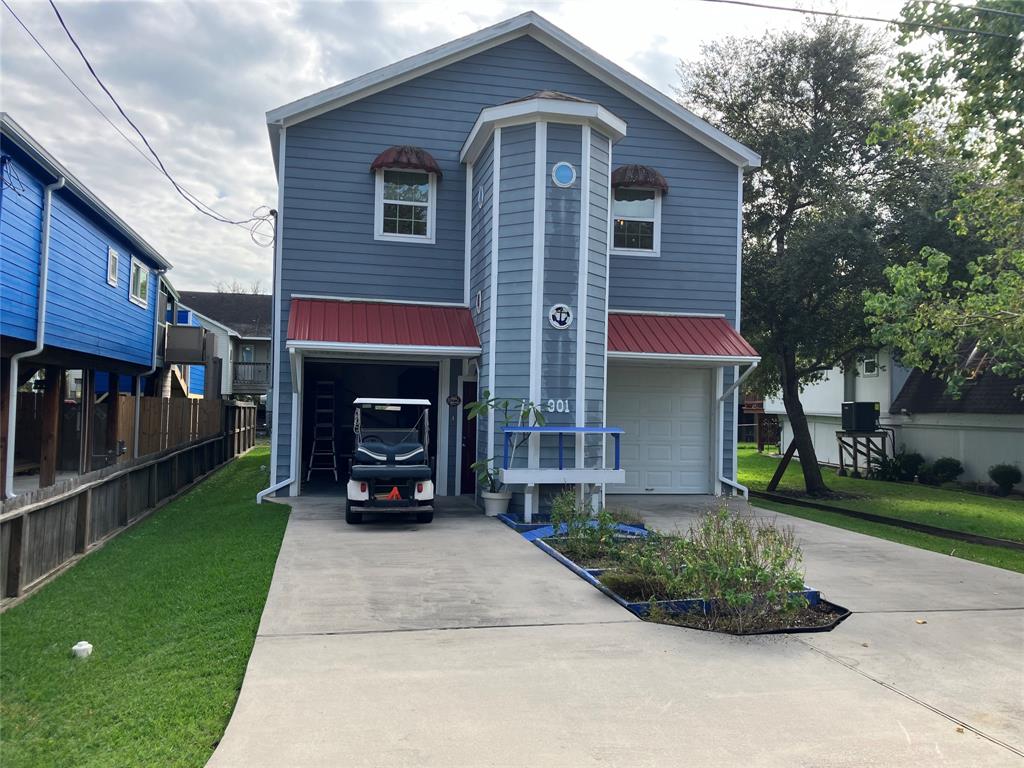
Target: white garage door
{"x": 666, "y": 413}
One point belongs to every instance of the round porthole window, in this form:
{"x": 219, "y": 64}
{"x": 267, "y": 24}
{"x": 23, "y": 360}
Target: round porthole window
{"x": 563, "y": 174}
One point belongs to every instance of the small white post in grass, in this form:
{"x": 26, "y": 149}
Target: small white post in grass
{"x": 81, "y": 649}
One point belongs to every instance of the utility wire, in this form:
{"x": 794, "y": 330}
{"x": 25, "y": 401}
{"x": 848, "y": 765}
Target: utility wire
{"x": 202, "y": 208}
{"x": 254, "y": 225}
{"x": 837, "y": 15}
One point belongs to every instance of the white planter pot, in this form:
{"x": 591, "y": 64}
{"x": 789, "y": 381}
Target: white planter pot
{"x": 496, "y": 503}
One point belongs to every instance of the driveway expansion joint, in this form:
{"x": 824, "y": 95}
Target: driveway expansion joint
{"x": 910, "y": 697}
{"x": 405, "y": 630}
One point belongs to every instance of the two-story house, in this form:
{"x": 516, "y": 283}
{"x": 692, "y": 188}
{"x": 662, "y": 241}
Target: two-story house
{"x": 85, "y": 310}
{"x": 512, "y": 212}
{"x": 982, "y": 427}
{"x": 239, "y": 324}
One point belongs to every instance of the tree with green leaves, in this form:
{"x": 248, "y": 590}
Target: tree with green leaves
{"x": 807, "y": 102}
{"x": 969, "y": 85}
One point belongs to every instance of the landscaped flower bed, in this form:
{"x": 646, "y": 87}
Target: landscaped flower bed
{"x": 728, "y": 574}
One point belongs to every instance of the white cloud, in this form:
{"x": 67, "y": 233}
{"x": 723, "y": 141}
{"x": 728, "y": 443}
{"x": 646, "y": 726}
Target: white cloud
{"x": 198, "y": 78}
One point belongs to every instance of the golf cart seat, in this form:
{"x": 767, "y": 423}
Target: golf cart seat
{"x": 380, "y": 452}
{"x": 401, "y": 471}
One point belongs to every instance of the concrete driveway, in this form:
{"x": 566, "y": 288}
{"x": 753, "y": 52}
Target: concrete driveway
{"x": 460, "y": 644}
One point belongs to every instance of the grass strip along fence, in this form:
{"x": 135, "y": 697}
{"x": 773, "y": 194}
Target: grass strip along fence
{"x": 171, "y": 607}
{"x": 44, "y": 531}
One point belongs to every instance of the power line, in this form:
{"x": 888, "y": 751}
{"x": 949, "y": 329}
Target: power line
{"x": 837, "y": 15}
{"x": 254, "y": 225}
{"x": 980, "y": 9}
{"x": 198, "y": 205}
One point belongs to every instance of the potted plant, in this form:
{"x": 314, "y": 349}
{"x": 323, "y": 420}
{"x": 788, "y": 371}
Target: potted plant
{"x": 496, "y": 495}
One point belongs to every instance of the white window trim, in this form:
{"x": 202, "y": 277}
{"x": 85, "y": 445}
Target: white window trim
{"x": 143, "y": 301}
{"x": 652, "y": 254}
{"x": 378, "y": 210}
{"x": 864, "y": 366}
{"x": 113, "y": 260}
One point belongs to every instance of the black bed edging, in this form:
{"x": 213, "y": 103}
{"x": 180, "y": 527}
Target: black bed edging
{"x": 640, "y": 610}
{"x": 945, "y": 533}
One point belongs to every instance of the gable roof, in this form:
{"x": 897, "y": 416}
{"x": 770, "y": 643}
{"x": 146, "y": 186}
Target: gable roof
{"x": 546, "y": 33}
{"x": 23, "y": 140}
{"x": 248, "y": 314}
{"x": 988, "y": 393}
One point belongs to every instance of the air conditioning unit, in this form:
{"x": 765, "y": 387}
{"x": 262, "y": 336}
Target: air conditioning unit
{"x": 860, "y": 416}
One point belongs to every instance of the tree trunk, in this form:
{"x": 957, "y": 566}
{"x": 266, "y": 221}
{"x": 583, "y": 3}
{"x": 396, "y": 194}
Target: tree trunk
{"x": 813, "y": 482}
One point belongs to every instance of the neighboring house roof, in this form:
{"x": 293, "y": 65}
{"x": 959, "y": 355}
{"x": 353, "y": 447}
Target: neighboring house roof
{"x": 988, "y": 393}
{"x": 248, "y": 314}
{"x": 343, "y": 323}
{"x": 662, "y": 335}
{"x": 35, "y": 151}
{"x": 546, "y": 33}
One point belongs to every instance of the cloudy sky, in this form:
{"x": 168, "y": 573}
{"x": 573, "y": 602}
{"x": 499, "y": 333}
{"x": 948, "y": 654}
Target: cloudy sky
{"x": 198, "y": 77}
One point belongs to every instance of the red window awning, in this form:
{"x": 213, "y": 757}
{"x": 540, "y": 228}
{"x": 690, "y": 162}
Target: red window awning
{"x": 369, "y": 326}
{"x": 676, "y": 336}
{"x": 405, "y": 156}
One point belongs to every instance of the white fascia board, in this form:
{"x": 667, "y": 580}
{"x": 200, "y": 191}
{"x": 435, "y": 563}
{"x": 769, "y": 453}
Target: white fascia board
{"x": 364, "y": 300}
{"x": 714, "y": 360}
{"x": 335, "y": 347}
{"x": 536, "y": 111}
{"x": 24, "y": 141}
{"x": 544, "y": 32}
{"x": 657, "y": 313}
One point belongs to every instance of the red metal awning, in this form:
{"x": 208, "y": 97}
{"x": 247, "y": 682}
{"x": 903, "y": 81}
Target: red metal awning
{"x": 405, "y": 156}
{"x": 676, "y": 336}
{"x": 642, "y": 176}
{"x": 366, "y": 325}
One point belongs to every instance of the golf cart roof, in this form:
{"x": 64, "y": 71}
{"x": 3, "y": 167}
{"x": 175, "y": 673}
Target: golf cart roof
{"x": 388, "y": 401}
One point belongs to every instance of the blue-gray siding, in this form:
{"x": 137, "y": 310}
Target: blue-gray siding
{"x": 329, "y": 193}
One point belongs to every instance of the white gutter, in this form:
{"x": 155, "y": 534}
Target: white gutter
{"x": 152, "y": 369}
{"x": 740, "y": 380}
{"x": 294, "y": 471}
{"x": 721, "y": 399}
{"x": 44, "y": 274}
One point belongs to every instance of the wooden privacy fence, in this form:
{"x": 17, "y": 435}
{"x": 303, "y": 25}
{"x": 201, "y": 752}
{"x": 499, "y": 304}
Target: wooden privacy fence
{"x": 169, "y": 422}
{"x": 43, "y": 531}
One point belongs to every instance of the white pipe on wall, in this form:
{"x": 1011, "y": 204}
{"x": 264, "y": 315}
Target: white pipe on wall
{"x": 44, "y": 274}
{"x": 152, "y": 368}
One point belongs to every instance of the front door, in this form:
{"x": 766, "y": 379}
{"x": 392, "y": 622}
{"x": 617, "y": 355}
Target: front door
{"x": 468, "y": 439}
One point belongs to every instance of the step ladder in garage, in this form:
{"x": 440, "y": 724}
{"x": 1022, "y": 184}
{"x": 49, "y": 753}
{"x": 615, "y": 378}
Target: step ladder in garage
{"x": 322, "y": 457}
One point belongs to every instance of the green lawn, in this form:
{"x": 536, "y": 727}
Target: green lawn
{"x": 171, "y": 607}
{"x": 956, "y": 510}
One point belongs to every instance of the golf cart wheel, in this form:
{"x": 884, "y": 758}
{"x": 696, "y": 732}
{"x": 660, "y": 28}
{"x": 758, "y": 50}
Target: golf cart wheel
{"x": 425, "y": 517}
{"x": 352, "y": 518}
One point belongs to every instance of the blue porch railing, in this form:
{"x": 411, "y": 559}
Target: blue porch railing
{"x": 615, "y": 432}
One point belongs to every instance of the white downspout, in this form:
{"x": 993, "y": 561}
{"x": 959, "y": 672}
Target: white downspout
{"x": 721, "y": 399}
{"x": 44, "y": 275}
{"x": 152, "y": 368}
{"x": 293, "y": 471}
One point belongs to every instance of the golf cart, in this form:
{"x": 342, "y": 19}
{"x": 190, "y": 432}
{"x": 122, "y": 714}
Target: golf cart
{"x": 390, "y": 471}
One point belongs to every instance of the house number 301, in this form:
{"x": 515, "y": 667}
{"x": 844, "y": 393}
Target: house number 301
{"x": 558, "y": 406}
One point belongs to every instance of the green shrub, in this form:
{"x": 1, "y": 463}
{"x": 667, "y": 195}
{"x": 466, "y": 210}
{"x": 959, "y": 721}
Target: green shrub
{"x": 626, "y": 516}
{"x": 586, "y": 536}
{"x": 1005, "y": 476}
{"x": 946, "y": 470}
{"x": 750, "y": 568}
{"x": 901, "y": 466}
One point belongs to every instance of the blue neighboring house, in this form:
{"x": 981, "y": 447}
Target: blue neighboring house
{"x": 105, "y": 308}
{"x": 512, "y": 212}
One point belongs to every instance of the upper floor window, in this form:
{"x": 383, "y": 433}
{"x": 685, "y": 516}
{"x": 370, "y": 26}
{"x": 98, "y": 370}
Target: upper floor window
{"x": 636, "y": 209}
{"x": 636, "y": 220}
{"x": 406, "y": 194}
{"x": 138, "y": 290}
{"x": 406, "y": 205}
{"x": 112, "y": 261}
